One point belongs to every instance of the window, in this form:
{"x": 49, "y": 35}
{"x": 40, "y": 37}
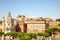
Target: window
{"x": 8, "y": 24}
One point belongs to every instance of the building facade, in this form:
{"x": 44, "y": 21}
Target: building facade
{"x": 35, "y": 27}
{"x": 7, "y": 24}
{"x": 27, "y": 25}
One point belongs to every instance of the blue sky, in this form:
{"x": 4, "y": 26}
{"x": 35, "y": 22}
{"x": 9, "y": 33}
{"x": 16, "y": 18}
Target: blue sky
{"x": 30, "y": 8}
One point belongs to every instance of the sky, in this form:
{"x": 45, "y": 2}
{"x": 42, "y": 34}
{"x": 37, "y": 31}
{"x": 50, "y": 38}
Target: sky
{"x": 30, "y": 8}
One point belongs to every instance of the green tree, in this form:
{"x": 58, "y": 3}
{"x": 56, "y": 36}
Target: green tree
{"x": 20, "y": 34}
{"x": 46, "y": 34}
{"x": 1, "y": 33}
{"x": 58, "y": 20}
{"x": 25, "y": 37}
{"x": 52, "y": 30}
{"x": 58, "y": 29}
{"x": 11, "y": 33}
{"x": 40, "y": 34}
{"x": 32, "y": 35}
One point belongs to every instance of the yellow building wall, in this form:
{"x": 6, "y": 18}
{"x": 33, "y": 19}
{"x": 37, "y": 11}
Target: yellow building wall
{"x": 0, "y": 26}
{"x": 54, "y": 24}
{"x": 35, "y": 26}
